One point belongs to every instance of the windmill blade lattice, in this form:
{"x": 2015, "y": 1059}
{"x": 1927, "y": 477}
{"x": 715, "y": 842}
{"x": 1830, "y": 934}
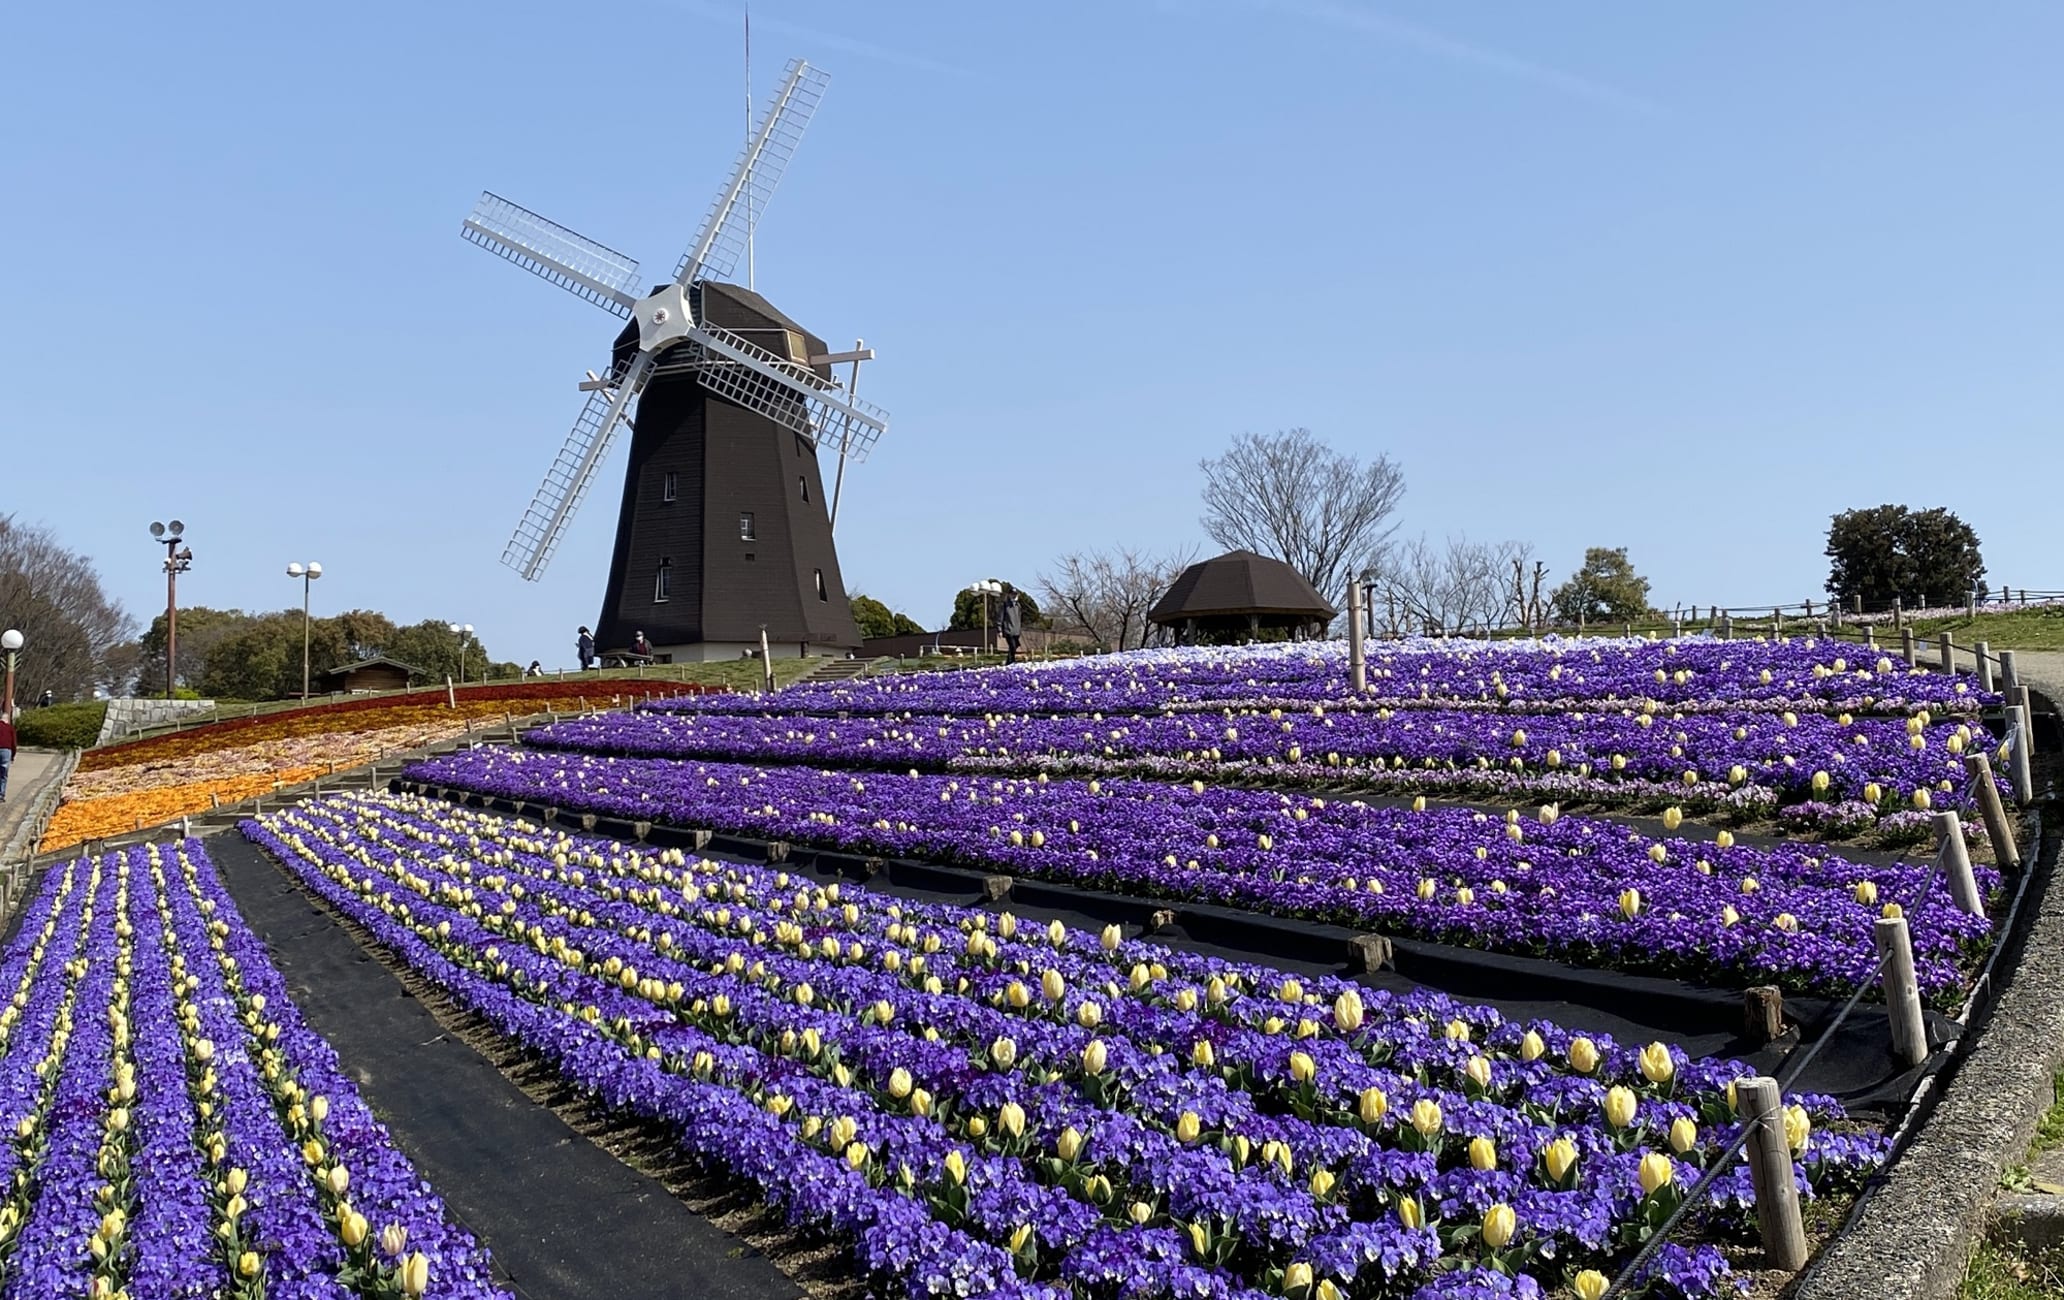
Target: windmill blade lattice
{"x": 714, "y": 254}
{"x": 566, "y": 483}
{"x": 551, "y": 252}
{"x": 792, "y": 395}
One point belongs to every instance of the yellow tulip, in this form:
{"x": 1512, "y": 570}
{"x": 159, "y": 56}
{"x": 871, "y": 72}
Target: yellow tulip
{"x": 1111, "y": 937}
{"x": 1188, "y": 1127}
{"x": 1458, "y": 1031}
{"x": 1591, "y": 1284}
{"x": 1583, "y": 1055}
{"x": 1371, "y": 1106}
{"x": 1297, "y": 1277}
{"x": 1348, "y": 1011}
{"x": 393, "y": 1240}
{"x": 354, "y": 1229}
{"x": 900, "y": 1083}
{"x": 1011, "y": 1119}
{"x": 1683, "y": 1135}
{"x": 1094, "y": 1057}
{"x": 1053, "y": 986}
{"x": 1020, "y": 1237}
{"x": 1797, "y": 1128}
{"x": 1069, "y": 1144}
{"x": 1321, "y": 1183}
{"x": 1620, "y": 1106}
{"x": 415, "y": 1274}
{"x": 1089, "y": 1015}
{"x": 1483, "y": 1153}
{"x": 956, "y": 1167}
{"x": 1656, "y": 1172}
{"x": 1499, "y": 1223}
{"x": 1531, "y": 1046}
{"x": 248, "y": 1264}
{"x": 1326, "y": 1290}
{"x": 337, "y": 1180}
{"x": 856, "y": 1154}
{"x": 1409, "y": 1212}
{"x": 1426, "y": 1116}
{"x": 1866, "y": 893}
{"x": 1479, "y": 1071}
{"x": 1656, "y": 1064}
{"x": 1302, "y": 1067}
{"x": 1673, "y": 817}
{"x": 1004, "y": 1052}
{"x": 1560, "y": 1155}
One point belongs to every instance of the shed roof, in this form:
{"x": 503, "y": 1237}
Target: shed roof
{"x": 1239, "y": 582}
{"x": 377, "y": 661}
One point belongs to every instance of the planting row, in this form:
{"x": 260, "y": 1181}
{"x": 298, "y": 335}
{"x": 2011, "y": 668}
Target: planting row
{"x": 173, "y": 1128}
{"x": 979, "y": 1107}
{"x": 1746, "y": 763}
{"x": 1553, "y": 675}
{"x": 1576, "y": 888}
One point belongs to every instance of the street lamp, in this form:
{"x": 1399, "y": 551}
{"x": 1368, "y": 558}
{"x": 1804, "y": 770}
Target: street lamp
{"x": 987, "y": 587}
{"x": 11, "y": 642}
{"x": 464, "y": 631}
{"x": 178, "y": 559}
{"x": 308, "y": 573}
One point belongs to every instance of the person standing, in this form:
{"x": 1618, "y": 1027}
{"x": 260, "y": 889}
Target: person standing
{"x": 586, "y": 647}
{"x": 6, "y": 753}
{"x": 642, "y": 648}
{"x": 1010, "y": 625}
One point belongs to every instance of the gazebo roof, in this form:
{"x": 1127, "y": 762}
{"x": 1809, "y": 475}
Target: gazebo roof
{"x": 1239, "y": 582}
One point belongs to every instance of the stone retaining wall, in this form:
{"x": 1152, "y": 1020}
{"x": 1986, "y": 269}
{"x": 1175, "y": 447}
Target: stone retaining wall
{"x": 125, "y": 716}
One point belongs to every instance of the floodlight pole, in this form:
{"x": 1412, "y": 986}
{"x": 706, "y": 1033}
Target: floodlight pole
{"x": 176, "y": 563}
{"x": 11, "y": 641}
{"x": 308, "y": 573}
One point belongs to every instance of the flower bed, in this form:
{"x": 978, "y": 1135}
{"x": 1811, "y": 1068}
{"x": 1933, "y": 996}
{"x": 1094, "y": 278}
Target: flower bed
{"x": 78, "y": 820}
{"x": 176, "y": 1129}
{"x": 1576, "y": 888}
{"x": 1554, "y": 675}
{"x": 375, "y": 713}
{"x": 1750, "y": 762}
{"x": 979, "y": 1108}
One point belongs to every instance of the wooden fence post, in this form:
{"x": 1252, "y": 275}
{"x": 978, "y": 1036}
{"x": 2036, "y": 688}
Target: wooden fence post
{"x": 1956, "y": 864}
{"x": 1906, "y": 645}
{"x": 1726, "y": 625}
{"x": 2018, "y": 771}
{"x": 1357, "y": 663}
{"x": 1870, "y": 636}
{"x": 1983, "y": 653}
{"x": 1946, "y": 648}
{"x": 2009, "y": 676}
{"x": 1902, "y": 991}
{"x": 2005, "y": 850}
{"x": 1771, "y": 1173}
{"x": 1898, "y": 613}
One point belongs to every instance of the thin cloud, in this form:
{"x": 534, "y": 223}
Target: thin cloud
{"x": 1397, "y": 31}
{"x": 733, "y": 16}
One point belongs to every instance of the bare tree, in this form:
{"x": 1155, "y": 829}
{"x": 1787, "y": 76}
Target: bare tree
{"x": 71, "y": 631}
{"x": 1457, "y": 586}
{"x": 1290, "y": 496}
{"x": 1107, "y": 593}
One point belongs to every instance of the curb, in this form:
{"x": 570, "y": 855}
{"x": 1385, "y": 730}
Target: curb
{"x": 1911, "y": 1235}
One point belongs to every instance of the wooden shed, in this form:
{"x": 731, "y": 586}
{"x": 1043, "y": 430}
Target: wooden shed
{"x": 376, "y": 674}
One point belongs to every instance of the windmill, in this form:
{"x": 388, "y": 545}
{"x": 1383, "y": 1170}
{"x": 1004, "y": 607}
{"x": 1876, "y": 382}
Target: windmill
{"x": 723, "y": 535}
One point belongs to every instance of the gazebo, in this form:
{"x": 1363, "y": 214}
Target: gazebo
{"x": 1241, "y": 596}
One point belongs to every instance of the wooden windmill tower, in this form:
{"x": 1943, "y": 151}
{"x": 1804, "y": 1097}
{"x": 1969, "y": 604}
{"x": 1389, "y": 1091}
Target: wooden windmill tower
{"x": 724, "y": 530}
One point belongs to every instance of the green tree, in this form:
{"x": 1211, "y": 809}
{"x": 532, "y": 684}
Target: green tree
{"x": 433, "y": 649}
{"x": 1888, "y": 552}
{"x": 201, "y": 631}
{"x": 1606, "y": 589}
{"x": 967, "y": 609}
{"x": 878, "y": 620}
{"x": 365, "y": 633}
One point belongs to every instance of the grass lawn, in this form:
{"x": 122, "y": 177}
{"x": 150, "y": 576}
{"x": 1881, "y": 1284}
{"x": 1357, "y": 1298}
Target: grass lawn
{"x": 2003, "y": 1273}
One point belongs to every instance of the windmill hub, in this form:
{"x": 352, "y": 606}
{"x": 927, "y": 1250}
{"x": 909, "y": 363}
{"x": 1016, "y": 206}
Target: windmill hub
{"x": 663, "y": 318}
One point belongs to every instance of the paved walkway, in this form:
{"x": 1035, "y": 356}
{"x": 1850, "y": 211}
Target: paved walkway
{"x": 33, "y": 768}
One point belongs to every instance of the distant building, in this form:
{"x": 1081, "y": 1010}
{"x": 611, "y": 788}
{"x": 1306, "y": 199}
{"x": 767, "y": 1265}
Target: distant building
{"x": 378, "y": 674}
{"x": 1241, "y": 596}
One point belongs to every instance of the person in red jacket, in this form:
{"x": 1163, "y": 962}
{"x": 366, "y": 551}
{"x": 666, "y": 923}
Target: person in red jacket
{"x": 6, "y": 753}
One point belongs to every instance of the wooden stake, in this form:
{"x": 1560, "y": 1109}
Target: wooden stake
{"x": 2005, "y": 849}
{"x": 1983, "y": 652}
{"x": 1902, "y": 991}
{"x": 2018, "y": 773}
{"x": 1762, "y": 1013}
{"x": 1870, "y": 636}
{"x": 2009, "y": 678}
{"x": 1946, "y": 648}
{"x": 1956, "y": 864}
{"x": 1357, "y": 662}
{"x": 1771, "y": 1173}
{"x": 1906, "y": 646}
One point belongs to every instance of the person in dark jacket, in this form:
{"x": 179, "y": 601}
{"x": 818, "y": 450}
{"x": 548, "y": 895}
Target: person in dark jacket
{"x": 1010, "y": 625}
{"x": 586, "y": 647}
{"x": 6, "y": 753}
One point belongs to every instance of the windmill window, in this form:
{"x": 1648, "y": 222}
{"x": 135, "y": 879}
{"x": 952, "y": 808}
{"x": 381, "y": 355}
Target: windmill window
{"x": 668, "y": 487}
{"x": 662, "y": 581}
{"x": 746, "y": 532}
{"x": 802, "y": 483}
{"x": 822, "y": 594}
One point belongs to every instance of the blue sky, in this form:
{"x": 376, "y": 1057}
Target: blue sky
{"x": 1682, "y": 279}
